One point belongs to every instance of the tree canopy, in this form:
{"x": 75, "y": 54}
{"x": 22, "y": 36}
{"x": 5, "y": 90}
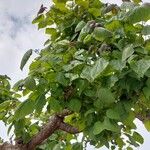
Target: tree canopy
{"x": 92, "y": 77}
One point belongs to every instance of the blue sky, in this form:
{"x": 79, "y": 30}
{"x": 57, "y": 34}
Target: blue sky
{"x": 17, "y": 35}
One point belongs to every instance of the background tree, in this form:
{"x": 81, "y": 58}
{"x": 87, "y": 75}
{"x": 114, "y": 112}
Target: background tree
{"x": 92, "y": 77}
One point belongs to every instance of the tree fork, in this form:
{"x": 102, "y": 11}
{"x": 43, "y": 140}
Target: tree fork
{"x": 55, "y": 123}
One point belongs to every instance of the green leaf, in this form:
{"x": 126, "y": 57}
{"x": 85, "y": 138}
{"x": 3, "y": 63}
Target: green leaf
{"x": 112, "y": 114}
{"x": 25, "y": 58}
{"x": 101, "y": 34}
{"x": 79, "y": 26}
{"x": 146, "y": 30}
{"x": 40, "y": 102}
{"x": 147, "y": 125}
{"x": 38, "y": 19}
{"x": 5, "y": 105}
{"x": 98, "y": 127}
{"x": 83, "y": 3}
{"x": 77, "y": 146}
{"x": 140, "y": 67}
{"x": 92, "y": 72}
{"x": 140, "y": 13}
{"x": 118, "y": 64}
{"x": 127, "y": 52}
{"x": 75, "y": 105}
{"x": 110, "y": 125}
{"x": 84, "y": 32}
{"x": 138, "y": 138}
{"x": 52, "y": 32}
{"x": 105, "y": 95}
{"x": 146, "y": 91}
{"x": 54, "y": 104}
{"x": 87, "y": 39}
{"x": 25, "y": 108}
{"x": 113, "y": 25}
{"x": 137, "y": 1}
{"x": 30, "y": 83}
{"x": 95, "y": 11}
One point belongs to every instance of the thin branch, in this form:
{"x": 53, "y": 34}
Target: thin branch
{"x": 68, "y": 128}
{"x": 64, "y": 113}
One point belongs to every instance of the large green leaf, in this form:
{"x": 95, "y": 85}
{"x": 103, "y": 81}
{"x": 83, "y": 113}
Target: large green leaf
{"x": 30, "y": 83}
{"x": 25, "y": 58}
{"x": 101, "y": 34}
{"x": 141, "y": 66}
{"x": 75, "y": 105}
{"x": 105, "y": 95}
{"x": 98, "y": 127}
{"x": 25, "y": 108}
{"x": 127, "y": 52}
{"x": 92, "y": 72}
{"x": 40, "y": 102}
{"x": 112, "y": 114}
{"x": 140, "y": 13}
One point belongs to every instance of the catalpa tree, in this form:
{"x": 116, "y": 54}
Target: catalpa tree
{"x": 89, "y": 83}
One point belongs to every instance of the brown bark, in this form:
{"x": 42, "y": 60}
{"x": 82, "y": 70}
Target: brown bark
{"x": 55, "y": 123}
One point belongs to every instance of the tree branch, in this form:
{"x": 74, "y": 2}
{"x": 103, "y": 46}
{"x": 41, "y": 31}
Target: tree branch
{"x": 45, "y": 132}
{"x": 68, "y": 128}
{"x": 55, "y": 123}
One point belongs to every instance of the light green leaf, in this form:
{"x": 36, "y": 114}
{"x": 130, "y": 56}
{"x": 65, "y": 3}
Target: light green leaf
{"x": 118, "y": 64}
{"x": 75, "y": 105}
{"x": 98, "y": 127}
{"x": 92, "y": 72}
{"x": 140, "y": 13}
{"x": 95, "y": 11}
{"x": 5, "y": 105}
{"x": 38, "y": 19}
{"x": 101, "y": 34}
{"x": 127, "y": 52}
{"x": 83, "y": 3}
{"x": 147, "y": 125}
{"x": 140, "y": 67}
{"x": 25, "y": 108}
{"x": 138, "y": 138}
{"x": 25, "y": 58}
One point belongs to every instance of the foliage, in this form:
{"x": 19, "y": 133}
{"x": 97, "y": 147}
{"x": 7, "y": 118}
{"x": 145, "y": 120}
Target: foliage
{"x": 96, "y": 63}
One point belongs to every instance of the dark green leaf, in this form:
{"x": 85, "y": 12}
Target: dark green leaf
{"x": 75, "y": 105}
{"x": 25, "y": 58}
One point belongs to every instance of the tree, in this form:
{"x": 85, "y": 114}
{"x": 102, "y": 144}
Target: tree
{"x": 92, "y": 77}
